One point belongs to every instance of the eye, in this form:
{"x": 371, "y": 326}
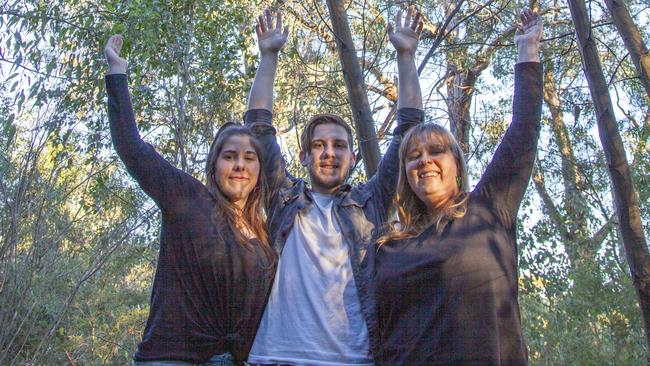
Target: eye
{"x": 316, "y": 145}
{"x": 341, "y": 145}
{"x": 227, "y": 156}
{"x": 250, "y": 157}
{"x": 437, "y": 149}
{"x": 413, "y": 155}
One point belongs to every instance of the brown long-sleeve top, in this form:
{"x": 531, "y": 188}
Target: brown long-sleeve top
{"x": 209, "y": 292}
{"x": 450, "y": 297}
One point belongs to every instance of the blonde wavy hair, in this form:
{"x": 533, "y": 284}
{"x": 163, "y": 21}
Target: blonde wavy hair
{"x": 414, "y": 216}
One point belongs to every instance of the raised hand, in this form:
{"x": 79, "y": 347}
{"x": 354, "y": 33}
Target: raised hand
{"x": 529, "y": 36}
{"x": 404, "y": 37}
{"x": 531, "y": 30}
{"x": 270, "y": 35}
{"x": 116, "y": 64}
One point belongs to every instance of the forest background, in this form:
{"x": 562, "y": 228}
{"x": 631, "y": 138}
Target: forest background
{"x": 79, "y": 239}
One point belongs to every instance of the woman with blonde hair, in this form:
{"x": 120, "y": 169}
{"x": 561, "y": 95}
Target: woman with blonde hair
{"x": 445, "y": 281}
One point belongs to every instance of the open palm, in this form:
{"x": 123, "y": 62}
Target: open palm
{"x": 404, "y": 36}
{"x": 270, "y": 35}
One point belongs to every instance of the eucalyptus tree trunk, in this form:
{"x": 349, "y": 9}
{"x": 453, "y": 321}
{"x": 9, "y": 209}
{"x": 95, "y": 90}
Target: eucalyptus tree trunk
{"x": 623, "y": 191}
{"x": 632, "y": 39}
{"x": 356, "y": 86}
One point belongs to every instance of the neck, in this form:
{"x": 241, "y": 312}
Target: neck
{"x": 325, "y": 190}
{"x": 239, "y": 206}
{"x": 434, "y": 208}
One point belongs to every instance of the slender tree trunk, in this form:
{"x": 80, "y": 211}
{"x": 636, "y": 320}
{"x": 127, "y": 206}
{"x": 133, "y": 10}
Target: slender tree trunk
{"x": 578, "y": 240}
{"x": 623, "y": 192}
{"x": 460, "y": 89}
{"x": 632, "y": 39}
{"x": 356, "y": 86}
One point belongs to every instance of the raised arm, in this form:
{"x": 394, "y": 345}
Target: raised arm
{"x": 404, "y": 37}
{"x": 155, "y": 175}
{"x": 506, "y": 177}
{"x": 271, "y": 37}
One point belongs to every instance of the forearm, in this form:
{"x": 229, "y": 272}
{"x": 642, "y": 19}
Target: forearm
{"x": 409, "y": 92}
{"x": 124, "y": 132}
{"x": 152, "y": 172}
{"x": 528, "y": 52}
{"x": 261, "y": 95}
{"x": 384, "y": 181}
{"x": 114, "y": 69}
{"x": 506, "y": 177}
{"x": 273, "y": 164}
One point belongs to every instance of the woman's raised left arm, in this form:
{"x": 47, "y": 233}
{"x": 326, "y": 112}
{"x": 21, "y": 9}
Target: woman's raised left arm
{"x": 506, "y": 177}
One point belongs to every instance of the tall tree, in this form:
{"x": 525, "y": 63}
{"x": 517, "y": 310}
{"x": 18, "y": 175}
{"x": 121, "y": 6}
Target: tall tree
{"x": 356, "y": 86}
{"x": 623, "y": 191}
{"x": 632, "y": 39}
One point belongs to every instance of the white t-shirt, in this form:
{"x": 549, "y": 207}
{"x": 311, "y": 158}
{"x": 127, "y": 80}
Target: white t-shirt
{"x": 313, "y": 316}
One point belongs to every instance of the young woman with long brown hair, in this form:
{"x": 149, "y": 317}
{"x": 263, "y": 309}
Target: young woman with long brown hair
{"x": 215, "y": 265}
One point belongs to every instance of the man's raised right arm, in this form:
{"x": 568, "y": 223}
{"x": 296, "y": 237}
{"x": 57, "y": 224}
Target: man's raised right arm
{"x": 271, "y": 37}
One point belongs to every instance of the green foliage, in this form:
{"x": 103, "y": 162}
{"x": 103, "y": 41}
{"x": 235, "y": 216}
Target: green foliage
{"x": 78, "y": 238}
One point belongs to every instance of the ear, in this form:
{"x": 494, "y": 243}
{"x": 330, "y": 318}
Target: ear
{"x": 303, "y": 158}
{"x": 353, "y": 160}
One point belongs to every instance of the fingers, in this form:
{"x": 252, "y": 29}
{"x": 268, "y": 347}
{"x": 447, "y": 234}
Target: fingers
{"x": 269, "y": 18}
{"x": 409, "y": 15}
{"x": 398, "y": 19}
{"x": 278, "y": 24}
{"x": 416, "y": 21}
{"x": 266, "y": 24}
{"x": 115, "y": 43}
{"x": 528, "y": 17}
{"x": 261, "y": 24}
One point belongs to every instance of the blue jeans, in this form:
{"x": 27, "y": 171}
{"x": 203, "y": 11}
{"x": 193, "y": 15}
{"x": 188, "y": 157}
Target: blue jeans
{"x": 224, "y": 359}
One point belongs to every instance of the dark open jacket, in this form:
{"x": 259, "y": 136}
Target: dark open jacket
{"x": 360, "y": 210}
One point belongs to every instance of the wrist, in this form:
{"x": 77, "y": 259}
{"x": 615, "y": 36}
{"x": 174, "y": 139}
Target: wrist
{"x": 269, "y": 54}
{"x": 527, "y": 52}
{"x": 116, "y": 69}
{"x": 405, "y": 57}
{"x": 406, "y": 54}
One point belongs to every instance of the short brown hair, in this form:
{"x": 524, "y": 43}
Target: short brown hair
{"x": 319, "y": 119}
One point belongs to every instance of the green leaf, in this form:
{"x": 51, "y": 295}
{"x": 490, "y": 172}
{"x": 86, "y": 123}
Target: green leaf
{"x": 20, "y": 100}
{"x": 50, "y": 66}
{"x": 17, "y": 62}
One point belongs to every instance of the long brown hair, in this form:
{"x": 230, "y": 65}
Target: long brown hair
{"x": 414, "y": 216}
{"x": 226, "y": 215}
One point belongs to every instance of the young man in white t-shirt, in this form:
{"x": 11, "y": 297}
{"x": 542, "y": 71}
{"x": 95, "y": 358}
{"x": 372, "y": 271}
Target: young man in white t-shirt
{"x": 320, "y": 311}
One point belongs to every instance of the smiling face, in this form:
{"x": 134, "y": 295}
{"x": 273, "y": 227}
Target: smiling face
{"x": 431, "y": 170}
{"x": 237, "y": 169}
{"x": 329, "y": 157}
